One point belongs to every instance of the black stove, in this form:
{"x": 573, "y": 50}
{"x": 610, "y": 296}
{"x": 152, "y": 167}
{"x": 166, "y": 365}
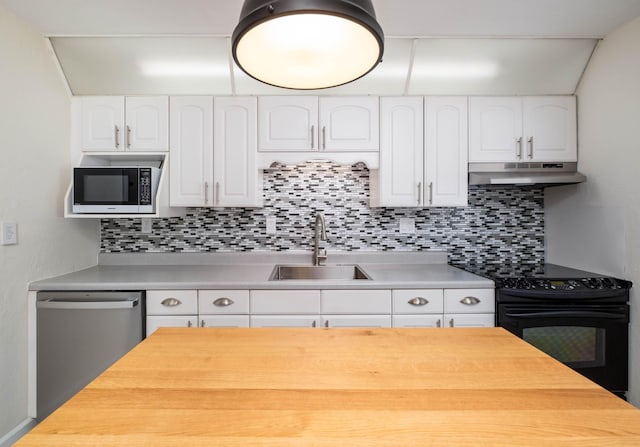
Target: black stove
{"x": 580, "y": 318}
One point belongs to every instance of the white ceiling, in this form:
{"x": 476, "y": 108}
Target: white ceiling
{"x": 399, "y": 18}
{"x": 523, "y": 47}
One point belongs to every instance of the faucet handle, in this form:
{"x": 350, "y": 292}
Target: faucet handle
{"x": 322, "y": 256}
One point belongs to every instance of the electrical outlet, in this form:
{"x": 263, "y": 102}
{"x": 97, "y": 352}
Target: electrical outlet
{"x": 146, "y": 226}
{"x": 8, "y": 233}
{"x": 271, "y": 225}
{"x": 407, "y": 225}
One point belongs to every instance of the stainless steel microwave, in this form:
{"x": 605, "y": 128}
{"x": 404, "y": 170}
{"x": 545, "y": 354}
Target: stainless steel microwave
{"x": 115, "y": 190}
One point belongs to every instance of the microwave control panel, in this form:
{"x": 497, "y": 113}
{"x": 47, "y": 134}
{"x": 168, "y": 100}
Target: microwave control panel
{"x": 145, "y": 186}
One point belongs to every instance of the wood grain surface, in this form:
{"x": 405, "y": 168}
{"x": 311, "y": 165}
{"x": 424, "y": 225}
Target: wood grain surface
{"x": 339, "y": 387}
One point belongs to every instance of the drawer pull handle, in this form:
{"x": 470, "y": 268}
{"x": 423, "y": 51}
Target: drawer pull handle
{"x": 171, "y": 302}
{"x": 470, "y": 300}
{"x": 223, "y": 302}
{"x": 418, "y": 301}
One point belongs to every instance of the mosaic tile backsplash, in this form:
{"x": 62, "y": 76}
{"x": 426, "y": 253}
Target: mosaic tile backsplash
{"x": 501, "y": 225}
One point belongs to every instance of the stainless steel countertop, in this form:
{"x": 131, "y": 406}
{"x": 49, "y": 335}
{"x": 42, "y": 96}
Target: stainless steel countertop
{"x": 395, "y": 270}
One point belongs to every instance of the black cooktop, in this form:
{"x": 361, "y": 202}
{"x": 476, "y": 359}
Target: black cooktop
{"x": 545, "y": 277}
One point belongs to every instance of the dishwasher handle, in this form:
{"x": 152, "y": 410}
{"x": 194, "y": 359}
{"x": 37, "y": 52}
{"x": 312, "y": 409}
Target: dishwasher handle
{"x": 61, "y": 303}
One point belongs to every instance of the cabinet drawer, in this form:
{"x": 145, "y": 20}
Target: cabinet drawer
{"x": 223, "y": 302}
{"x": 273, "y": 302}
{"x": 357, "y": 321}
{"x": 356, "y": 302}
{"x": 285, "y": 321}
{"x": 469, "y": 320}
{"x": 426, "y": 320}
{"x": 155, "y": 322}
{"x": 469, "y": 301}
{"x": 224, "y": 321}
{"x": 172, "y": 302}
{"x": 418, "y": 301}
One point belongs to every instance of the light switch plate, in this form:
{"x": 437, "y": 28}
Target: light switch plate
{"x": 407, "y": 225}
{"x": 271, "y": 225}
{"x": 146, "y": 225}
{"x": 8, "y": 233}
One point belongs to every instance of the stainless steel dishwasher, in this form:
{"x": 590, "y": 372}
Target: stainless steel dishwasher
{"x": 79, "y": 335}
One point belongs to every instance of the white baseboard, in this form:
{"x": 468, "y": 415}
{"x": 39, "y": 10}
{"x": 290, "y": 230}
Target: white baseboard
{"x": 14, "y": 435}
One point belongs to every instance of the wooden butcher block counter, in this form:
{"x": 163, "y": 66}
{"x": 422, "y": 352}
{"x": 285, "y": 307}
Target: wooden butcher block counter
{"x": 339, "y": 387}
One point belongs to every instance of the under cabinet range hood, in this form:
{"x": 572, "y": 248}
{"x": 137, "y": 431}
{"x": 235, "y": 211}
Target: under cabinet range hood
{"x": 525, "y": 174}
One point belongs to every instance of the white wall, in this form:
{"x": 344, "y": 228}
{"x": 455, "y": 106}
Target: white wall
{"x": 596, "y": 225}
{"x": 34, "y": 173}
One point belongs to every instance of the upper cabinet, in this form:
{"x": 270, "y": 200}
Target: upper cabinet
{"x": 237, "y": 179}
{"x": 309, "y": 123}
{"x": 213, "y": 152}
{"x": 116, "y": 123}
{"x": 191, "y": 170}
{"x": 446, "y": 148}
{"x": 400, "y": 179}
{"x": 514, "y": 129}
{"x": 423, "y": 152}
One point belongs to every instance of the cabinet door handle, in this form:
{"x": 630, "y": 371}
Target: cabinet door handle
{"x": 217, "y": 193}
{"x": 206, "y": 193}
{"x": 430, "y": 193}
{"x": 530, "y": 148}
{"x": 324, "y": 137}
{"x": 326, "y": 323}
{"x": 519, "y": 148}
{"x": 418, "y": 301}
{"x": 451, "y": 323}
{"x": 189, "y": 323}
{"x": 314, "y": 323}
{"x": 439, "y": 323}
{"x": 223, "y": 302}
{"x": 419, "y": 193}
{"x": 201, "y": 323}
{"x": 128, "y": 137}
{"x": 470, "y": 301}
{"x": 117, "y": 136}
{"x": 313, "y": 134}
{"x": 171, "y": 302}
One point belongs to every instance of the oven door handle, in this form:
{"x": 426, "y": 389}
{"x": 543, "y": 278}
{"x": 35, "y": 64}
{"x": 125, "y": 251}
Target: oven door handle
{"x": 567, "y": 313}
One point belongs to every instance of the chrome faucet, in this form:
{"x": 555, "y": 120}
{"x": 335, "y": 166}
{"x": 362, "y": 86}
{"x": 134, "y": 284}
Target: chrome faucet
{"x": 319, "y": 256}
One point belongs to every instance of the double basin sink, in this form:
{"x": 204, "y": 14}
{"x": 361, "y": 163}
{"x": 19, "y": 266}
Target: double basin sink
{"x": 318, "y": 273}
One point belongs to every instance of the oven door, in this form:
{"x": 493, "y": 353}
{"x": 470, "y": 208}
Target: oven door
{"x": 592, "y": 339}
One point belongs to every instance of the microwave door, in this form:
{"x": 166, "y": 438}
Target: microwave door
{"x": 105, "y": 190}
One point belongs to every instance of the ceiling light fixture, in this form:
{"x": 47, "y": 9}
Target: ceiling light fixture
{"x": 307, "y": 44}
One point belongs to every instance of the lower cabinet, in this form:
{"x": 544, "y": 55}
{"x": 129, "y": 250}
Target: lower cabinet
{"x": 320, "y": 308}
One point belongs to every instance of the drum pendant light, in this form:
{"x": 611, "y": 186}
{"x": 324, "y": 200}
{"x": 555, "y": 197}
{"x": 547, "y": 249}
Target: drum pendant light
{"x": 307, "y": 44}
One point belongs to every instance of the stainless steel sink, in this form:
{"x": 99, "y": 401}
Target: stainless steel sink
{"x": 318, "y": 273}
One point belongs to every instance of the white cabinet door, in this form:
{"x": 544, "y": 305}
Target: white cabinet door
{"x": 147, "y": 123}
{"x": 282, "y": 302}
{"x": 285, "y": 321}
{"x": 349, "y": 124}
{"x": 356, "y": 302}
{"x": 154, "y": 322}
{"x": 400, "y": 182}
{"x": 235, "y": 167}
{"x": 191, "y": 150}
{"x": 103, "y": 127}
{"x": 446, "y": 166}
{"x": 356, "y": 321}
{"x": 469, "y": 320}
{"x": 224, "y": 321}
{"x": 495, "y": 129}
{"x": 223, "y": 302}
{"x": 425, "y": 320}
{"x": 550, "y": 128}
{"x": 288, "y": 123}
{"x": 172, "y": 302}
